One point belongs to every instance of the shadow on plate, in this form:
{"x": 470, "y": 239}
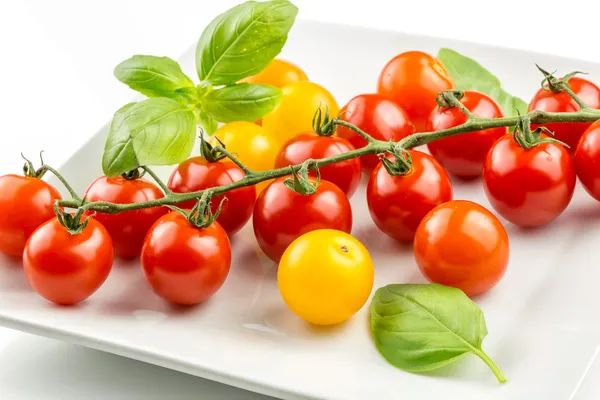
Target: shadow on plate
{"x": 12, "y": 276}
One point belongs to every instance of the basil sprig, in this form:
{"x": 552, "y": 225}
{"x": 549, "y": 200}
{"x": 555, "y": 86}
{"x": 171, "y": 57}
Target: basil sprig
{"x": 161, "y": 130}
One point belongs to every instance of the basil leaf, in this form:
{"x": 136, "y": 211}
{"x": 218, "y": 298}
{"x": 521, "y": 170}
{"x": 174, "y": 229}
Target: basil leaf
{"x": 419, "y": 328}
{"x": 243, "y": 41}
{"x": 208, "y": 123}
{"x": 242, "y": 102}
{"x": 157, "y": 131}
{"x": 468, "y": 74}
{"x": 156, "y": 77}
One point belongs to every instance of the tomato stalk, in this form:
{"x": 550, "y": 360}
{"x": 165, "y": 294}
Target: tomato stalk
{"x": 29, "y": 170}
{"x": 160, "y": 183}
{"x": 374, "y": 146}
{"x": 201, "y": 215}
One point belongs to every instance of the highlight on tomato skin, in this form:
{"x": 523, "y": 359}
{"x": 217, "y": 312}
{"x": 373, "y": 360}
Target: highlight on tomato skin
{"x": 462, "y": 244}
{"x": 196, "y": 174}
{"x": 463, "y": 155}
{"x": 398, "y": 204}
{"x": 296, "y": 110}
{"x": 127, "y": 229}
{"x": 26, "y": 203}
{"x": 413, "y": 79}
{"x": 310, "y": 145}
{"x": 184, "y": 264}
{"x": 252, "y": 145}
{"x": 547, "y": 100}
{"x": 325, "y": 276}
{"x": 587, "y": 160}
{"x": 281, "y": 215}
{"x": 377, "y": 115}
{"x": 67, "y": 268}
{"x": 278, "y": 73}
{"x": 529, "y": 188}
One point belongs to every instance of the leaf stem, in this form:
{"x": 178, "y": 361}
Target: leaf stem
{"x": 491, "y": 364}
{"x": 373, "y": 147}
{"x": 160, "y": 183}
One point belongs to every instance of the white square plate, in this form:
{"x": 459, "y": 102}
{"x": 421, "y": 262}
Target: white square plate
{"x": 542, "y": 317}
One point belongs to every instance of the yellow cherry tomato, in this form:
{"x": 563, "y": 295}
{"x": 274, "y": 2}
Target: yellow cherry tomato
{"x": 252, "y": 146}
{"x": 325, "y": 276}
{"x": 295, "y": 112}
{"x": 278, "y": 73}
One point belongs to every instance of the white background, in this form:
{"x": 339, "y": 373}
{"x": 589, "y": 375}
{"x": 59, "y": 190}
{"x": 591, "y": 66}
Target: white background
{"x": 57, "y": 89}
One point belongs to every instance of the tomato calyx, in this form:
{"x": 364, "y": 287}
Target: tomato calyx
{"x": 527, "y": 138}
{"x": 208, "y": 152}
{"x": 402, "y": 163}
{"x": 452, "y": 98}
{"x": 299, "y": 182}
{"x": 73, "y": 223}
{"x": 201, "y": 215}
{"x": 133, "y": 174}
{"x": 30, "y": 171}
{"x": 322, "y": 124}
{"x": 448, "y": 98}
{"x": 554, "y": 84}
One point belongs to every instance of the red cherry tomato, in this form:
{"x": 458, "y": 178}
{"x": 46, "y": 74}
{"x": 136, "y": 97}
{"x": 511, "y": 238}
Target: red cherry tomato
{"x": 530, "y": 187}
{"x": 26, "y": 203}
{"x": 309, "y": 145}
{"x": 66, "y": 268}
{"x": 127, "y": 229}
{"x": 463, "y": 155}
{"x": 587, "y": 160}
{"x": 282, "y": 215}
{"x": 398, "y": 203}
{"x": 379, "y": 117}
{"x": 462, "y": 244}
{"x": 197, "y": 174}
{"x": 184, "y": 264}
{"x": 413, "y": 80}
{"x": 546, "y": 100}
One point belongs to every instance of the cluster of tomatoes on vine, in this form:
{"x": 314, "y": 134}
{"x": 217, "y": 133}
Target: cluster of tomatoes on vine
{"x": 186, "y": 256}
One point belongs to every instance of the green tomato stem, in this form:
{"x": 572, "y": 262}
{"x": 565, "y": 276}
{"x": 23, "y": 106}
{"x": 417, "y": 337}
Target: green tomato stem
{"x": 373, "y": 147}
{"x": 490, "y": 363}
{"x": 160, "y": 183}
{"x": 72, "y": 192}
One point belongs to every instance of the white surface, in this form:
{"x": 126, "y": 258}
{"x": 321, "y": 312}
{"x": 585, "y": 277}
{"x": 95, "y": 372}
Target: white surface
{"x": 57, "y": 89}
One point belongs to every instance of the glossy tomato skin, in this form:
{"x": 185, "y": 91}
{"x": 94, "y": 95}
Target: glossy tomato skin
{"x": 529, "y": 188}
{"x": 26, "y": 203}
{"x": 309, "y": 145}
{"x": 397, "y": 204}
{"x": 278, "y": 73}
{"x": 127, "y": 229}
{"x": 379, "y": 117}
{"x": 64, "y": 268}
{"x": 462, "y": 244}
{"x": 413, "y": 80}
{"x": 282, "y": 215}
{"x": 252, "y": 145}
{"x": 325, "y": 276}
{"x": 296, "y": 110}
{"x": 546, "y": 100}
{"x": 587, "y": 160}
{"x": 463, "y": 155}
{"x": 183, "y": 264}
{"x": 197, "y": 174}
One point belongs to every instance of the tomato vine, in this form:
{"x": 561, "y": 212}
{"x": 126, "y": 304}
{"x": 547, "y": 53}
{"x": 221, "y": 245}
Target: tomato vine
{"x": 374, "y": 146}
